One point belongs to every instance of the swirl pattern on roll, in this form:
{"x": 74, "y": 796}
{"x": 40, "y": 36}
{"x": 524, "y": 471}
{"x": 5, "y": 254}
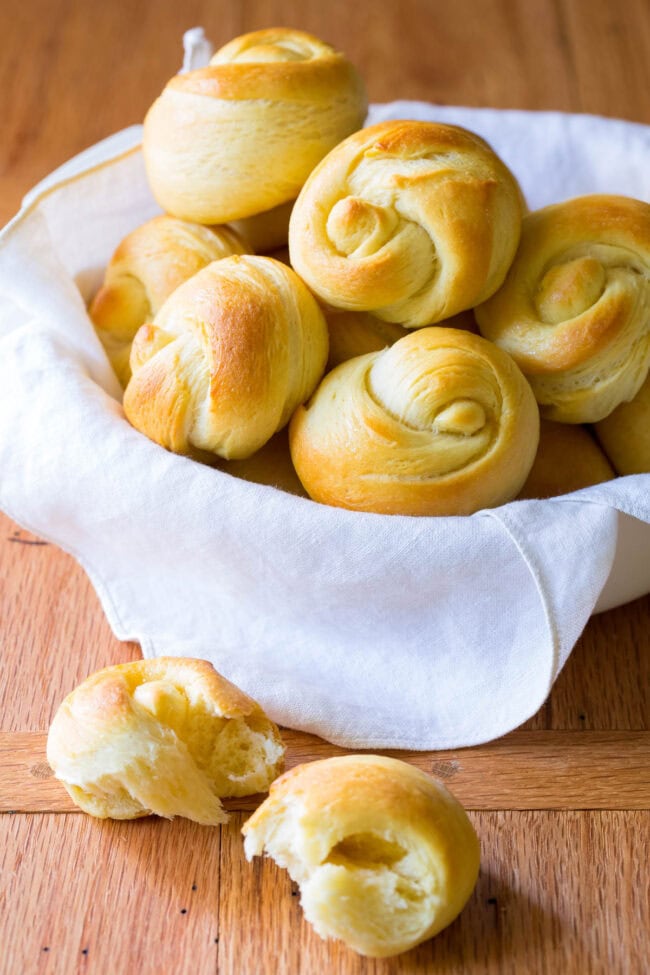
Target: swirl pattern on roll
{"x": 441, "y": 423}
{"x": 227, "y": 359}
{"x": 414, "y": 221}
{"x": 574, "y": 311}
{"x": 240, "y": 136}
{"x": 149, "y": 264}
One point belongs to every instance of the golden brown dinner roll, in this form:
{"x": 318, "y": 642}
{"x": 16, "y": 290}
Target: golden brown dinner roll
{"x": 147, "y": 266}
{"x": 227, "y": 359}
{"x": 270, "y": 465}
{"x": 568, "y": 459}
{"x": 384, "y": 855}
{"x": 354, "y": 333}
{"x": 625, "y": 434}
{"x": 574, "y": 309}
{"x": 414, "y": 221}
{"x": 241, "y": 135}
{"x": 167, "y": 736}
{"x": 265, "y": 232}
{"x": 441, "y": 423}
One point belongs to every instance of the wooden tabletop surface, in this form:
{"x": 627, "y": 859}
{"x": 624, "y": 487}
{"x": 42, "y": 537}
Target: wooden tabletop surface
{"x": 561, "y": 806}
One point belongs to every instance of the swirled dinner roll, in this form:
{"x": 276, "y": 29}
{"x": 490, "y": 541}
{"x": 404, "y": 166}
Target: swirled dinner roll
{"x": 574, "y": 311}
{"x": 568, "y": 459}
{"x": 147, "y": 266}
{"x": 625, "y": 434}
{"x": 167, "y": 736}
{"x": 384, "y": 855}
{"x": 240, "y": 136}
{"x": 441, "y": 423}
{"x": 414, "y": 221}
{"x": 228, "y": 358}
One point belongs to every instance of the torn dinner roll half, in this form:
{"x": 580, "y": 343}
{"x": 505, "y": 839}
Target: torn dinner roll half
{"x": 169, "y": 736}
{"x": 384, "y": 855}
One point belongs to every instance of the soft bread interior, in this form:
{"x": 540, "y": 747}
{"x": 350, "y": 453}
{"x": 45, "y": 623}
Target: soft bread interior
{"x": 127, "y": 747}
{"x": 380, "y": 883}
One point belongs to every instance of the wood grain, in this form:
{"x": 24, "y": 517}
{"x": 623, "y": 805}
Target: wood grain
{"x": 561, "y": 890}
{"x": 525, "y": 770}
{"x": 537, "y": 908}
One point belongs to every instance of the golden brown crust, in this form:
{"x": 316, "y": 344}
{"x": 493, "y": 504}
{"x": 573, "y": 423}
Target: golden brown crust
{"x": 354, "y": 333}
{"x": 266, "y": 232}
{"x": 384, "y": 855}
{"x": 227, "y": 360}
{"x": 442, "y": 423}
{"x": 574, "y": 311}
{"x": 280, "y": 96}
{"x": 568, "y": 459}
{"x": 161, "y": 736}
{"x": 270, "y": 465}
{"x": 148, "y": 265}
{"x": 625, "y": 434}
{"x": 414, "y": 221}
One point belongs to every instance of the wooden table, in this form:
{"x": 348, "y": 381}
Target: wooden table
{"x": 561, "y": 806}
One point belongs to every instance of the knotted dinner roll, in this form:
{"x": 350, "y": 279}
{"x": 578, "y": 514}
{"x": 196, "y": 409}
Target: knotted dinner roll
{"x": 625, "y": 434}
{"x": 568, "y": 459}
{"x": 147, "y": 266}
{"x": 384, "y": 855}
{"x": 167, "y": 736}
{"x": 574, "y": 311}
{"x": 228, "y": 358}
{"x": 241, "y": 135}
{"x": 413, "y": 221}
{"x": 441, "y": 423}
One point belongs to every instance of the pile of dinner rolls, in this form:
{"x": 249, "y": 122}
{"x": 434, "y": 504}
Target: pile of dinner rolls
{"x": 416, "y": 328}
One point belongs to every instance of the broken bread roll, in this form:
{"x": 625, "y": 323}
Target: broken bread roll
{"x": 413, "y": 221}
{"x": 384, "y": 855}
{"x": 440, "y": 423}
{"x": 148, "y": 265}
{"x": 240, "y": 136}
{"x": 227, "y": 360}
{"x": 169, "y": 736}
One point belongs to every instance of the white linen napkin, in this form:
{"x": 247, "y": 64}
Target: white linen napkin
{"x": 369, "y": 630}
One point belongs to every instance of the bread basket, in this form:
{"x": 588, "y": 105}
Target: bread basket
{"x": 370, "y": 630}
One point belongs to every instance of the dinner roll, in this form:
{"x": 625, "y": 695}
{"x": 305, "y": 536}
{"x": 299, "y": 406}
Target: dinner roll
{"x": 625, "y": 434}
{"x": 354, "y": 333}
{"x": 568, "y": 459}
{"x": 574, "y": 311}
{"x": 228, "y": 358}
{"x": 385, "y": 857}
{"x": 168, "y": 736}
{"x": 241, "y": 135}
{"x": 413, "y": 221}
{"x": 265, "y": 232}
{"x": 147, "y": 266}
{"x": 270, "y": 465}
{"x": 441, "y": 423}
